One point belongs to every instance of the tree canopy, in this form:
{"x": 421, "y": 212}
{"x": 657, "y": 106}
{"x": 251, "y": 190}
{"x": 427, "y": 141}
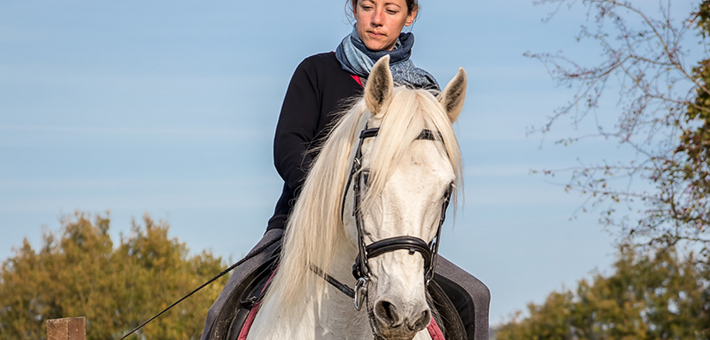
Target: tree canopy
{"x": 663, "y": 116}
{"x": 80, "y": 271}
{"x": 660, "y": 196}
{"x": 648, "y": 296}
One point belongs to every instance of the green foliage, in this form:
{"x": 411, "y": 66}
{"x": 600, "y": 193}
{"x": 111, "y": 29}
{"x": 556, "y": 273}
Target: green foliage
{"x": 80, "y": 272}
{"x": 703, "y": 18}
{"x": 662, "y": 296}
{"x": 694, "y": 146}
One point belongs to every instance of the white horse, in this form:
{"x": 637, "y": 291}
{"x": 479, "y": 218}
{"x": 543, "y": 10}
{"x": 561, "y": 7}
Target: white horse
{"x": 405, "y": 180}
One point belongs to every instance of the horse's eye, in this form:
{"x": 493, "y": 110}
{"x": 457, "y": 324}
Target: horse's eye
{"x": 366, "y": 177}
{"x": 449, "y": 191}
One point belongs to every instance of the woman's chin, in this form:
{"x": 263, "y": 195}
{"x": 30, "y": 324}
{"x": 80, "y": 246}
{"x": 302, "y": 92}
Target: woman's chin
{"x": 378, "y": 46}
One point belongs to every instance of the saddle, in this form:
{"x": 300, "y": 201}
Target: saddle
{"x": 249, "y": 292}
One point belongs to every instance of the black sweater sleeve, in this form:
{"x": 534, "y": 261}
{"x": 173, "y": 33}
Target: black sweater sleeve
{"x": 314, "y": 97}
{"x": 297, "y": 127}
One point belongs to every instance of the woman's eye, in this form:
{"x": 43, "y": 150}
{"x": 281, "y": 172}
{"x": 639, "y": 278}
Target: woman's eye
{"x": 392, "y": 12}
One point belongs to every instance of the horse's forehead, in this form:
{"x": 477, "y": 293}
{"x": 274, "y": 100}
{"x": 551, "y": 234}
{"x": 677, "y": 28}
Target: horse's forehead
{"x": 422, "y": 173}
{"x": 410, "y": 198}
{"x": 424, "y": 156}
{"x": 417, "y": 152}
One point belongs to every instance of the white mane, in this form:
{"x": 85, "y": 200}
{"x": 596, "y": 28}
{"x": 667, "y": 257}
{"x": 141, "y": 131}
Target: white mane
{"x": 315, "y": 223}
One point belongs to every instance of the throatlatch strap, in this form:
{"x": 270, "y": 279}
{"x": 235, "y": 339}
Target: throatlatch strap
{"x": 333, "y": 281}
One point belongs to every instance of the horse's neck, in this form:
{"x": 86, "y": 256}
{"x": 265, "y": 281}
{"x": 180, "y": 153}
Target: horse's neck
{"x": 338, "y": 315}
{"x": 331, "y": 317}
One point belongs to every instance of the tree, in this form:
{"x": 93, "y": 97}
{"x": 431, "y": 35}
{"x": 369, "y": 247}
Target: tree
{"x": 663, "y": 116}
{"x": 649, "y": 296}
{"x": 79, "y": 272}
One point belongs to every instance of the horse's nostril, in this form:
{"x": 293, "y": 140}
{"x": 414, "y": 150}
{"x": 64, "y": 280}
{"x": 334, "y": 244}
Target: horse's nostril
{"x": 421, "y": 322}
{"x": 387, "y": 313}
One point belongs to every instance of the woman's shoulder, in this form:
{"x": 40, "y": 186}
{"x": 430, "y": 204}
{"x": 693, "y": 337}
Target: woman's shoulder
{"x": 321, "y": 63}
{"x": 322, "y": 58}
{"x": 325, "y": 71}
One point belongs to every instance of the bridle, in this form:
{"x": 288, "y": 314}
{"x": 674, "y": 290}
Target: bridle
{"x": 361, "y": 269}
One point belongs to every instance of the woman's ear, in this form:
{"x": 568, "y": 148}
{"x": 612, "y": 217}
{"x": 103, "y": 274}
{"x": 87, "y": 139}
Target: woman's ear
{"x": 411, "y": 16}
{"x": 379, "y": 86}
{"x": 454, "y": 95}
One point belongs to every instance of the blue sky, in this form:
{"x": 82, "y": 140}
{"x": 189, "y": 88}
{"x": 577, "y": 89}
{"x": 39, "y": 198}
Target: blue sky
{"x": 169, "y": 108}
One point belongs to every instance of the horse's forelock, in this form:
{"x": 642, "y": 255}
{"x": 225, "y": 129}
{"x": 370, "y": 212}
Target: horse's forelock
{"x": 408, "y": 113}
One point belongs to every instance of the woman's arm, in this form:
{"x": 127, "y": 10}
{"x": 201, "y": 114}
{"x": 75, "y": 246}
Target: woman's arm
{"x": 297, "y": 127}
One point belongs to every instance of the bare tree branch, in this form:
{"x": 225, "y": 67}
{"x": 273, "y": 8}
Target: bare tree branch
{"x": 664, "y": 118}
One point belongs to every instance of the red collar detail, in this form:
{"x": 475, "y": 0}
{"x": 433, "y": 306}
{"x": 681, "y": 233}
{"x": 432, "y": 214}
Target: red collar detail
{"x": 357, "y": 79}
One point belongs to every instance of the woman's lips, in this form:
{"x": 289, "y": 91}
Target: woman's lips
{"x": 375, "y": 34}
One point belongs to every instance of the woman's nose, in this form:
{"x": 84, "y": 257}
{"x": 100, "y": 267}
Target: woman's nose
{"x": 377, "y": 18}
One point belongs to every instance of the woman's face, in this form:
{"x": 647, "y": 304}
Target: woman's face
{"x": 379, "y": 22}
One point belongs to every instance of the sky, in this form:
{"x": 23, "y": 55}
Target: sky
{"x": 169, "y": 108}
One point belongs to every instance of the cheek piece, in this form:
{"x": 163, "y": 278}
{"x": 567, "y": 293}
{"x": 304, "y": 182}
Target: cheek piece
{"x": 361, "y": 269}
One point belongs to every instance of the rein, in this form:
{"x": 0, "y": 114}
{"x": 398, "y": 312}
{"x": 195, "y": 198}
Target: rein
{"x": 251, "y": 254}
{"x": 361, "y": 268}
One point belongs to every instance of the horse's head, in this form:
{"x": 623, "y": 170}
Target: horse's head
{"x": 405, "y": 175}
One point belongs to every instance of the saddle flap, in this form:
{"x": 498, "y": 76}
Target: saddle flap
{"x": 445, "y": 313}
{"x": 242, "y": 299}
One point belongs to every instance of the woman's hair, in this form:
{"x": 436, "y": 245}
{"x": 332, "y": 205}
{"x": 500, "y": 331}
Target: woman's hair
{"x": 411, "y": 4}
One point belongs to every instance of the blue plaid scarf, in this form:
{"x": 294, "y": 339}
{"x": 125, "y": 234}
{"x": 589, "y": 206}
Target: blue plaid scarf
{"x": 357, "y": 59}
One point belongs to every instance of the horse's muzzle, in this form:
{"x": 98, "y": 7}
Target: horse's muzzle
{"x": 392, "y": 321}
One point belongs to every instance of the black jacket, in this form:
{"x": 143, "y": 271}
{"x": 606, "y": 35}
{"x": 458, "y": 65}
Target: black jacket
{"x": 318, "y": 91}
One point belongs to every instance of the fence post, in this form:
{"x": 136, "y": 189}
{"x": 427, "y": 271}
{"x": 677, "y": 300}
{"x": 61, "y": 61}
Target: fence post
{"x": 66, "y": 329}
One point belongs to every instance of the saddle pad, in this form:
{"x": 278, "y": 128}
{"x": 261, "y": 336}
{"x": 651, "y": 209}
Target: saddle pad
{"x": 434, "y": 330}
{"x": 252, "y": 314}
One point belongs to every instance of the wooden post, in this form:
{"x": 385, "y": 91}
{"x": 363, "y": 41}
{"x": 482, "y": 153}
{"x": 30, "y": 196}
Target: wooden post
{"x": 66, "y": 329}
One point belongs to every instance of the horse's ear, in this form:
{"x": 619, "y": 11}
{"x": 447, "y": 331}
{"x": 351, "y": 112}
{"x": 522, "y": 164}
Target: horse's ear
{"x": 379, "y": 86}
{"x": 454, "y": 94}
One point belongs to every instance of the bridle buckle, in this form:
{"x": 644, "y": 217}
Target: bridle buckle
{"x": 360, "y": 292}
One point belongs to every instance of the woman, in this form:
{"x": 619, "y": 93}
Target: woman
{"x": 319, "y": 88}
